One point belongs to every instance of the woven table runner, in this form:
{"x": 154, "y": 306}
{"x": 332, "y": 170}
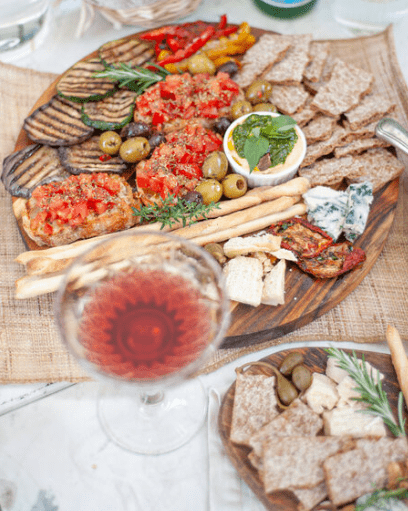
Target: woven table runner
{"x": 30, "y": 347}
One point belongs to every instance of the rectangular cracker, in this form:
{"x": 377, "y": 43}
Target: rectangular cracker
{"x": 314, "y": 151}
{"x": 330, "y": 171}
{"x": 379, "y": 166}
{"x": 297, "y": 462}
{"x": 269, "y": 49}
{"x": 289, "y": 71}
{"x": 310, "y": 497}
{"x": 313, "y": 87}
{"x": 318, "y": 52}
{"x": 371, "y": 108}
{"x": 359, "y": 146}
{"x": 305, "y": 115}
{"x": 254, "y": 405}
{"x": 347, "y": 85}
{"x": 289, "y": 99}
{"x": 319, "y": 129}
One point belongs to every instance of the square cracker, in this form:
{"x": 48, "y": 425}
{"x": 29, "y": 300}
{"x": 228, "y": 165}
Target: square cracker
{"x": 320, "y": 128}
{"x": 255, "y": 404}
{"x": 289, "y": 71}
{"x": 310, "y": 497}
{"x": 379, "y": 166}
{"x": 288, "y": 99}
{"x": 339, "y": 137}
{"x": 344, "y": 90}
{"x": 371, "y": 108}
{"x": 318, "y": 52}
{"x": 305, "y": 115}
{"x": 313, "y": 87}
{"x": 359, "y": 146}
{"x": 269, "y": 49}
{"x": 330, "y": 171}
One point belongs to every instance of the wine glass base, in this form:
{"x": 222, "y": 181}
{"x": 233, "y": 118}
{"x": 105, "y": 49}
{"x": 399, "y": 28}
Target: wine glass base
{"x": 152, "y": 429}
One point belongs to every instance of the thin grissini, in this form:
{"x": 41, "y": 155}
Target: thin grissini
{"x": 294, "y": 187}
{"x": 399, "y": 359}
{"x": 35, "y": 285}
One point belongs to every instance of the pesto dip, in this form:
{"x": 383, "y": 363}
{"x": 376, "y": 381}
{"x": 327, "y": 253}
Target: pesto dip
{"x": 284, "y": 147}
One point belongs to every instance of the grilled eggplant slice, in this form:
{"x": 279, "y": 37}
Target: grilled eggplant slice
{"x": 111, "y": 113}
{"x": 88, "y": 158}
{"x": 33, "y": 166}
{"x": 132, "y": 52}
{"x": 57, "y": 123}
{"x": 80, "y": 85}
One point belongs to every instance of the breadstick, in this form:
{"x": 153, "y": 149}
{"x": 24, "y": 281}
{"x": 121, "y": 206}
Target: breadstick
{"x": 399, "y": 359}
{"x": 251, "y": 226}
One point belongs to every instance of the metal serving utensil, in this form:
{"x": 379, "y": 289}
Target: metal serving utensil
{"x": 391, "y": 131}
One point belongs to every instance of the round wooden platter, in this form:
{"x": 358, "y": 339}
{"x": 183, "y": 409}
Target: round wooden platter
{"x": 316, "y": 360}
{"x": 306, "y": 298}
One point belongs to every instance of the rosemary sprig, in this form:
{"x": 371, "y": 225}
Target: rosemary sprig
{"x": 371, "y": 393}
{"x": 134, "y": 78}
{"x": 379, "y": 498}
{"x": 172, "y": 210}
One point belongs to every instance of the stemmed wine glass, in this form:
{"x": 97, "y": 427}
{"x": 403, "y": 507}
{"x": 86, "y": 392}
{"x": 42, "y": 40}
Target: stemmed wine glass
{"x": 142, "y": 312}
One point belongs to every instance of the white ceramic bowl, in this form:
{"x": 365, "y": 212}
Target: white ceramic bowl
{"x": 259, "y": 178}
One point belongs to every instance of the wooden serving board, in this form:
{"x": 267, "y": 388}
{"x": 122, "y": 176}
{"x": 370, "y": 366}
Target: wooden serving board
{"x": 316, "y": 360}
{"x": 306, "y": 297}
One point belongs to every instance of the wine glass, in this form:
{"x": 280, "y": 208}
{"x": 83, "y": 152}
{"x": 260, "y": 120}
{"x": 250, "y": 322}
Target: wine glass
{"x": 142, "y": 312}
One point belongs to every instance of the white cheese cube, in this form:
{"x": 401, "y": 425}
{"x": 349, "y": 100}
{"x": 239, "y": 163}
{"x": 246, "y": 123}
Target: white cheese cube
{"x": 322, "y": 393}
{"x": 353, "y": 422}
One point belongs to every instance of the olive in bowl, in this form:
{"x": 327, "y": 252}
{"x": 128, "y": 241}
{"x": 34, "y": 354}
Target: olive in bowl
{"x": 268, "y": 170}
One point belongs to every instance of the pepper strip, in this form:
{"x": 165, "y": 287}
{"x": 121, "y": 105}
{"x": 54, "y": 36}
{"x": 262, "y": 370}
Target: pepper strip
{"x": 191, "y": 48}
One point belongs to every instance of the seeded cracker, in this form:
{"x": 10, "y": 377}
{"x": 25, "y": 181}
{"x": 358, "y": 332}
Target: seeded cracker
{"x": 289, "y": 99}
{"x": 376, "y": 165}
{"x": 347, "y": 85}
{"x": 319, "y": 129}
{"x": 359, "y": 146}
{"x": 338, "y": 138}
{"x": 319, "y": 52}
{"x": 372, "y": 108}
{"x": 266, "y": 52}
{"x": 254, "y": 405}
{"x": 289, "y": 71}
{"x": 310, "y": 497}
{"x": 331, "y": 171}
{"x": 313, "y": 87}
{"x": 305, "y": 115}
{"x": 367, "y": 131}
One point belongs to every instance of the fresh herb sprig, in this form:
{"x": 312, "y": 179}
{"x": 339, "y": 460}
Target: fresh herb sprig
{"x": 172, "y": 211}
{"x": 136, "y": 78}
{"x": 371, "y": 392}
{"x": 379, "y": 498}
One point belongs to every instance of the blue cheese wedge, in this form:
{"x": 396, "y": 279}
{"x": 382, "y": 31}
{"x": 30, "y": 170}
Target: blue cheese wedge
{"x": 326, "y": 209}
{"x": 360, "y": 196}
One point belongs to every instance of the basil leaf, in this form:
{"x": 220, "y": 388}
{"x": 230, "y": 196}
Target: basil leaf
{"x": 254, "y": 149}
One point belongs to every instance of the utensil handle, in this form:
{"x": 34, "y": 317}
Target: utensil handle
{"x": 391, "y": 131}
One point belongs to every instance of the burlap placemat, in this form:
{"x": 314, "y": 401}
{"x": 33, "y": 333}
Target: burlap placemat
{"x": 30, "y": 347}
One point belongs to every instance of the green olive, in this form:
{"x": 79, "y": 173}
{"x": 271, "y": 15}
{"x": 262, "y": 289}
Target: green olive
{"x": 301, "y": 377}
{"x": 200, "y": 63}
{"x": 290, "y": 361}
{"x": 265, "y": 107}
{"x": 240, "y": 108}
{"x": 286, "y": 390}
{"x": 210, "y": 189}
{"x": 258, "y": 92}
{"x": 234, "y": 186}
{"x": 215, "y": 165}
{"x": 110, "y": 142}
{"x": 134, "y": 149}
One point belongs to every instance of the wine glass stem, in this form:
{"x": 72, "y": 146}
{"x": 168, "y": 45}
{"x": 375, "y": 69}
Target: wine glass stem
{"x": 152, "y": 399}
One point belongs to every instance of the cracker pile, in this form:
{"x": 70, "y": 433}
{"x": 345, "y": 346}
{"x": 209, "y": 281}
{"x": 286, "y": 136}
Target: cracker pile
{"x": 333, "y": 101}
{"x": 321, "y": 448}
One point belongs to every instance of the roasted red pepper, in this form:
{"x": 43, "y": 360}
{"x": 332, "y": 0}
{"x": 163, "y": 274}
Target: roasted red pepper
{"x": 301, "y": 237}
{"x": 190, "y": 49}
{"x": 333, "y": 261}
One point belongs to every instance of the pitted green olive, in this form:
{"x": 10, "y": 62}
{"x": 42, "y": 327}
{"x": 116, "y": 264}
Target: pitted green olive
{"x": 240, "y": 108}
{"x": 215, "y": 165}
{"x": 210, "y": 189}
{"x": 234, "y": 186}
{"x": 134, "y": 149}
{"x": 258, "y": 92}
{"x": 265, "y": 107}
{"x": 110, "y": 142}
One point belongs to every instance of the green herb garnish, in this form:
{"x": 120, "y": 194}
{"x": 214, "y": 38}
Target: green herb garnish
{"x": 136, "y": 78}
{"x": 172, "y": 211}
{"x": 371, "y": 393}
{"x": 379, "y": 498}
{"x": 261, "y": 134}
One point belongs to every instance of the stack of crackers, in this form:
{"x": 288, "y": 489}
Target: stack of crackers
{"x": 334, "y": 104}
